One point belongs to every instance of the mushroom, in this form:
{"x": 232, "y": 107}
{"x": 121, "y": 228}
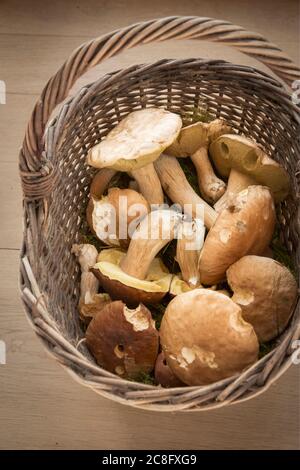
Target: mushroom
{"x": 178, "y": 285}
{"x": 99, "y": 184}
{"x": 114, "y": 215}
{"x": 164, "y": 375}
{"x": 123, "y": 340}
{"x": 138, "y": 276}
{"x": 134, "y": 144}
{"x": 101, "y": 181}
{"x": 193, "y": 141}
{"x": 89, "y": 310}
{"x": 266, "y": 292}
{"x": 90, "y": 302}
{"x": 205, "y": 338}
{"x": 244, "y": 227}
{"x": 189, "y": 243}
{"x": 245, "y": 163}
{"x": 177, "y": 187}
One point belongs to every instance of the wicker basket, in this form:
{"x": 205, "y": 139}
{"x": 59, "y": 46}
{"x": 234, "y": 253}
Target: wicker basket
{"x": 56, "y": 182}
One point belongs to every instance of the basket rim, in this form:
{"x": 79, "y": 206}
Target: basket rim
{"x": 270, "y": 83}
{"x": 52, "y": 138}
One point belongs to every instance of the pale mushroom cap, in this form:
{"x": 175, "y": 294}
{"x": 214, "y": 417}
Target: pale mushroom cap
{"x": 266, "y": 292}
{"x": 205, "y": 339}
{"x": 245, "y": 227}
{"x": 244, "y": 155}
{"x": 120, "y": 208}
{"x": 137, "y": 140}
{"x": 124, "y": 341}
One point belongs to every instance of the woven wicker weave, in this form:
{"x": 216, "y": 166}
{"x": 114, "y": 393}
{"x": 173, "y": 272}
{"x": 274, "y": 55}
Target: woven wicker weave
{"x": 56, "y": 182}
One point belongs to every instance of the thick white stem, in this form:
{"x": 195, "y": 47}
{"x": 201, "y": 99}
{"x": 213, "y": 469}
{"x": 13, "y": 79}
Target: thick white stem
{"x": 101, "y": 181}
{"x": 189, "y": 244}
{"x": 211, "y": 187}
{"x": 179, "y": 190}
{"x": 149, "y": 184}
{"x": 153, "y": 233}
{"x": 87, "y": 257}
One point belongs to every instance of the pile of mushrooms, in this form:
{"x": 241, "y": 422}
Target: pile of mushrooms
{"x": 226, "y": 295}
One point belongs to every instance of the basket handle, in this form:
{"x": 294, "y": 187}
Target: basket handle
{"x": 36, "y": 171}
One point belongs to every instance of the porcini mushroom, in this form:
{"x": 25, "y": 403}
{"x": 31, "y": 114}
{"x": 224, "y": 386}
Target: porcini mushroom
{"x": 245, "y": 163}
{"x": 123, "y": 340}
{"x": 266, "y": 291}
{"x": 193, "y": 141}
{"x": 244, "y": 227}
{"x": 178, "y": 285}
{"x": 205, "y": 339}
{"x": 114, "y": 215}
{"x": 137, "y": 276}
{"x": 134, "y": 144}
{"x": 90, "y": 301}
{"x": 189, "y": 243}
{"x": 164, "y": 375}
{"x": 177, "y": 187}
{"x": 98, "y": 185}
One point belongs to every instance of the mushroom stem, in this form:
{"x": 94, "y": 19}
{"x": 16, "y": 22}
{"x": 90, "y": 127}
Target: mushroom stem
{"x": 211, "y": 187}
{"x": 101, "y": 181}
{"x": 237, "y": 182}
{"x": 149, "y": 184}
{"x": 153, "y": 233}
{"x": 179, "y": 190}
{"x": 98, "y": 185}
{"x": 189, "y": 244}
{"x": 89, "y": 285}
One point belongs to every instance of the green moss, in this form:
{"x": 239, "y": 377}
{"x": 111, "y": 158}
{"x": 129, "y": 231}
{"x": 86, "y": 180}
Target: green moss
{"x": 199, "y": 114}
{"x": 88, "y": 237}
{"x": 144, "y": 378}
{"x": 190, "y": 173}
{"x": 281, "y": 253}
{"x": 158, "y": 311}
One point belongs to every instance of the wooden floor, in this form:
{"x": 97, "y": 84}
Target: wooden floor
{"x": 41, "y": 407}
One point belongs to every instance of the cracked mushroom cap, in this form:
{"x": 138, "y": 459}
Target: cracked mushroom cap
{"x": 247, "y": 157}
{"x": 205, "y": 338}
{"x": 244, "y": 227}
{"x": 122, "y": 286}
{"x": 123, "y": 340}
{"x": 266, "y": 292}
{"x": 197, "y": 135}
{"x": 137, "y": 140}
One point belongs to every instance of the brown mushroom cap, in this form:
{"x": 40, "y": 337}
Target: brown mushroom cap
{"x": 137, "y": 140}
{"x": 244, "y": 155}
{"x": 245, "y": 227}
{"x": 197, "y": 135}
{"x": 123, "y": 341}
{"x": 205, "y": 338}
{"x": 164, "y": 375}
{"x": 266, "y": 292}
{"x": 131, "y": 290}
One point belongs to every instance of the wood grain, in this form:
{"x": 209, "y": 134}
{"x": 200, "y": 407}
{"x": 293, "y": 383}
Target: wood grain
{"x": 42, "y": 407}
